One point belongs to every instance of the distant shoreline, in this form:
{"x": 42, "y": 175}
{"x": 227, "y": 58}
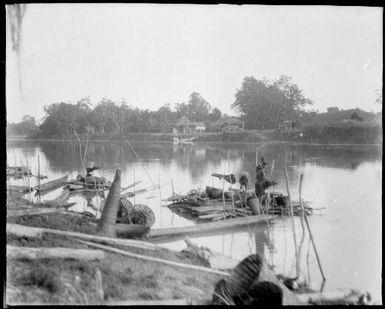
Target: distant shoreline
{"x": 149, "y": 138}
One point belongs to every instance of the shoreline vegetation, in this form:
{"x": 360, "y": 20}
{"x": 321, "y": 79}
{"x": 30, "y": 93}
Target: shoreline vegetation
{"x": 369, "y": 134}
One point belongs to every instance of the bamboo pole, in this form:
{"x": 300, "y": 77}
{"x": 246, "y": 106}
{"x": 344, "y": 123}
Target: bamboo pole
{"x": 38, "y": 177}
{"x": 134, "y": 187}
{"x": 29, "y": 182}
{"x": 231, "y": 184}
{"x": 141, "y": 302}
{"x": 154, "y": 259}
{"x": 15, "y": 252}
{"x": 160, "y": 200}
{"x": 315, "y": 249}
{"x": 310, "y": 233}
{"x": 292, "y": 223}
{"x": 272, "y": 168}
{"x": 35, "y": 211}
{"x": 302, "y": 220}
{"x": 35, "y": 232}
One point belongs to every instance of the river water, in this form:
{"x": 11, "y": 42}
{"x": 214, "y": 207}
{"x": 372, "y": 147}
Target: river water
{"x": 344, "y": 181}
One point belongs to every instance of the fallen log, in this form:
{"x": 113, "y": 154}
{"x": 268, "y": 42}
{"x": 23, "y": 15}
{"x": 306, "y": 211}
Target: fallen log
{"x": 350, "y": 297}
{"x": 14, "y": 252}
{"x": 211, "y": 208}
{"x": 141, "y": 302}
{"x": 35, "y": 211}
{"x": 130, "y": 230}
{"x": 27, "y": 231}
{"x": 59, "y": 200}
{"x": 154, "y": 259}
{"x": 128, "y": 194}
{"x": 53, "y": 184}
{"x": 21, "y": 189}
{"x": 210, "y": 226}
{"x": 24, "y": 231}
{"x": 131, "y": 185}
{"x": 215, "y": 259}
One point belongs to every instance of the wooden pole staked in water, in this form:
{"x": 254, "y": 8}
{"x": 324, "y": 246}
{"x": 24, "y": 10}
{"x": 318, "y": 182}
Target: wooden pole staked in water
{"x": 38, "y": 176}
{"x": 134, "y": 186}
{"x": 172, "y": 187}
{"x": 292, "y": 222}
{"x": 160, "y": 200}
{"x": 29, "y": 181}
{"x": 310, "y": 233}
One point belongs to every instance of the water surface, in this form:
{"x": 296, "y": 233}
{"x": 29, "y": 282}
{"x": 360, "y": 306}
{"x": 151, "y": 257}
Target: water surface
{"x": 343, "y": 180}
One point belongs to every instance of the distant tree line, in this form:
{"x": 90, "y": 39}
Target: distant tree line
{"x": 27, "y": 126}
{"x": 260, "y": 103}
{"x": 109, "y": 117}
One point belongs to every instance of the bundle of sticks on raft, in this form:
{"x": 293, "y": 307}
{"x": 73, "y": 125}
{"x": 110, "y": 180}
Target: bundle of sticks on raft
{"x": 199, "y": 206}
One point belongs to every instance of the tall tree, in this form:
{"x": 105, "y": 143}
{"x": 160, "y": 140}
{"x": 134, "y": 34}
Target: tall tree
{"x": 215, "y": 115}
{"x": 263, "y": 104}
{"x": 198, "y": 107}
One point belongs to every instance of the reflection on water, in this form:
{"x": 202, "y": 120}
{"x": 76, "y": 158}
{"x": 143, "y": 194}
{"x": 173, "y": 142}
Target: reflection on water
{"x": 346, "y": 180}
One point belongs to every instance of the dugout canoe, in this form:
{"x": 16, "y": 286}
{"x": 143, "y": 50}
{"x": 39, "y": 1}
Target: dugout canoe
{"x": 210, "y": 226}
{"x": 21, "y": 189}
{"x": 53, "y": 184}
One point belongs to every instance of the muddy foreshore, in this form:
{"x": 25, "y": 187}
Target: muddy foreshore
{"x": 48, "y": 281}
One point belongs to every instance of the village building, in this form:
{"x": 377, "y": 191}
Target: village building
{"x": 228, "y": 124}
{"x": 287, "y": 125}
{"x": 184, "y": 126}
{"x": 200, "y": 126}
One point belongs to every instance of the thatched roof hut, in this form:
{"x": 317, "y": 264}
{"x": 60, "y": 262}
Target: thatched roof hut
{"x": 228, "y": 124}
{"x": 183, "y": 122}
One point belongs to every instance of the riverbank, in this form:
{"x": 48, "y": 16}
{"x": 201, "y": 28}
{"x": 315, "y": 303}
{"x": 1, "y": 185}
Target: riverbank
{"x": 38, "y": 275}
{"x": 112, "y": 280}
{"x": 341, "y": 134}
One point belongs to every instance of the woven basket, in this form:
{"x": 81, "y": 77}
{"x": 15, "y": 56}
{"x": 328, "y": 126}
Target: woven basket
{"x": 136, "y": 214}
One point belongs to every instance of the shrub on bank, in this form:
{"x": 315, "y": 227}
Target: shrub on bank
{"x": 349, "y": 132}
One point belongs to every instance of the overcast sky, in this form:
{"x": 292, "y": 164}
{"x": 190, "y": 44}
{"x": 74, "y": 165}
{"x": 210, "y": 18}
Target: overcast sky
{"x": 151, "y": 55}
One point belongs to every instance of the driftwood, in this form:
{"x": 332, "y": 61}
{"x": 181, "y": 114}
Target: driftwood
{"x": 215, "y": 259}
{"x": 127, "y": 230}
{"x": 18, "y": 188}
{"x": 348, "y": 297}
{"x": 35, "y": 211}
{"x": 210, "y": 226}
{"x": 154, "y": 259}
{"x": 50, "y": 185}
{"x": 59, "y": 200}
{"x": 53, "y": 253}
{"x": 26, "y": 231}
{"x": 156, "y": 302}
{"x": 131, "y": 185}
